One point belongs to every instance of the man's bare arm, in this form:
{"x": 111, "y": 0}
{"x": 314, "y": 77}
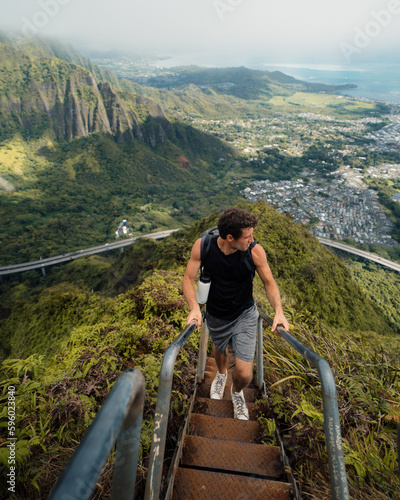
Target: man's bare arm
{"x": 270, "y": 286}
{"x": 189, "y": 290}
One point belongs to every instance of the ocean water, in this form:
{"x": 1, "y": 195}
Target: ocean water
{"x": 377, "y": 81}
{"x": 374, "y": 81}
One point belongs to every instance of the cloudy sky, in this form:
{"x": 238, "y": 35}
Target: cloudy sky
{"x": 221, "y": 32}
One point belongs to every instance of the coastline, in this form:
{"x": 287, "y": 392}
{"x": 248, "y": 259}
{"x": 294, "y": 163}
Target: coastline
{"x": 379, "y": 82}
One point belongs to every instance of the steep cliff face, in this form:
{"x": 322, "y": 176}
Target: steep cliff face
{"x": 39, "y": 93}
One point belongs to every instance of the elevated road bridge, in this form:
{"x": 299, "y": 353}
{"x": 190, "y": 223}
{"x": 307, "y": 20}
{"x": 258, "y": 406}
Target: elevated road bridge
{"x": 67, "y": 257}
{"x": 360, "y": 253}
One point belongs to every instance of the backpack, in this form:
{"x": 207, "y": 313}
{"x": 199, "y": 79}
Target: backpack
{"x": 205, "y": 247}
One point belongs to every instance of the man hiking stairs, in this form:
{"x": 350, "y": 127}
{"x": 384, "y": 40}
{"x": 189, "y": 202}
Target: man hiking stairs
{"x": 222, "y": 457}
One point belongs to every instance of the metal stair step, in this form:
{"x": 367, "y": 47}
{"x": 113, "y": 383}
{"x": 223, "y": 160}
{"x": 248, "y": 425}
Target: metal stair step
{"x": 255, "y": 459}
{"x": 226, "y": 429}
{"x": 190, "y": 484}
{"x": 220, "y": 408}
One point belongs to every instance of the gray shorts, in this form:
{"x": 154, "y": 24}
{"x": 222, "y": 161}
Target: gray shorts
{"x": 240, "y": 333}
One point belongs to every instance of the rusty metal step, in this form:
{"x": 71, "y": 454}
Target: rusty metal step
{"x": 209, "y": 377}
{"x": 255, "y": 459}
{"x": 226, "y": 429}
{"x": 220, "y": 408}
{"x": 192, "y": 484}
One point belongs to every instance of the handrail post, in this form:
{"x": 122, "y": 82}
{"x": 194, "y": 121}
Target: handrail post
{"x": 260, "y": 358}
{"x": 337, "y": 468}
{"x": 127, "y": 452}
{"x": 202, "y": 351}
{"x": 154, "y": 473}
{"x": 119, "y": 417}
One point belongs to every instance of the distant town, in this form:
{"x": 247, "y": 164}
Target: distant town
{"x": 337, "y": 204}
{"x": 342, "y": 208}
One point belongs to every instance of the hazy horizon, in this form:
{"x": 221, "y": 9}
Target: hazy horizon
{"x": 219, "y": 32}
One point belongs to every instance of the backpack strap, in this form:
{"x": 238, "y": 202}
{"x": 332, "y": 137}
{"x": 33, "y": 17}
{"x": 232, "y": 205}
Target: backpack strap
{"x": 205, "y": 244}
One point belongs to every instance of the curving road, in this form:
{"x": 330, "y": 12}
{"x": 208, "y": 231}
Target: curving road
{"x": 58, "y": 259}
{"x": 360, "y": 253}
{"x": 51, "y": 261}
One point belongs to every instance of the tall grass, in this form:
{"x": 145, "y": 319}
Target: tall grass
{"x": 366, "y": 370}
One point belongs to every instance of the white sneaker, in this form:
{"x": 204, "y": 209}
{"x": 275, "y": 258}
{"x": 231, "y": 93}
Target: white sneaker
{"x": 218, "y": 386}
{"x": 240, "y": 409}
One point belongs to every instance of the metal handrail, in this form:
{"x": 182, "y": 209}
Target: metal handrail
{"x": 337, "y": 469}
{"x": 120, "y": 417}
{"x": 202, "y": 351}
{"x": 154, "y": 473}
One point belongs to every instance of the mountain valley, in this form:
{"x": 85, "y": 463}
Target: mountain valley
{"x": 82, "y": 148}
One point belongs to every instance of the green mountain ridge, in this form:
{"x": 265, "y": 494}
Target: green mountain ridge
{"x": 80, "y": 150}
{"x": 240, "y": 82}
{"x": 77, "y": 154}
{"x": 42, "y": 91}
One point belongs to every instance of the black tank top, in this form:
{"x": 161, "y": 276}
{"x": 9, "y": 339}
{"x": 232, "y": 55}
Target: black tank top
{"x": 231, "y": 290}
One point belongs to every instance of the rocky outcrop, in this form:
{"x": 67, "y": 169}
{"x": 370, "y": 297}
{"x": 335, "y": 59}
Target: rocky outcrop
{"x": 48, "y": 93}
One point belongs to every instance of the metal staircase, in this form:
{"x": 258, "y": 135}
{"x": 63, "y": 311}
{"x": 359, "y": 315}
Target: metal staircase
{"x": 223, "y": 458}
{"x": 217, "y": 456}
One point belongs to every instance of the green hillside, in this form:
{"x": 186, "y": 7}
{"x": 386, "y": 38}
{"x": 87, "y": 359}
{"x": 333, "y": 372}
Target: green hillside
{"x": 65, "y": 196}
{"x": 80, "y": 150}
{"x": 68, "y": 336}
{"x": 240, "y": 82}
{"x": 242, "y": 93}
{"x": 78, "y": 154}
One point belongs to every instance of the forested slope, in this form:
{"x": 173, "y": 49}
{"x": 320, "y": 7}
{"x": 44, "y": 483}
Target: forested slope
{"x": 79, "y": 151}
{"x": 78, "y": 154}
{"x": 66, "y": 340}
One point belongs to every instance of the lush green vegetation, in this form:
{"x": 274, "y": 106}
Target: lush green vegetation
{"x": 66, "y": 340}
{"x": 66, "y": 337}
{"x": 366, "y": 369}
{"x": 63, "y": 373}
{"x": 68, "y": 195}
{"x": 380, "y": 284}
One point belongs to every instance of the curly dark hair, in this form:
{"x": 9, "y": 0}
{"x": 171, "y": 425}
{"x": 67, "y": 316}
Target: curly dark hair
{"x": 233, "y": 221}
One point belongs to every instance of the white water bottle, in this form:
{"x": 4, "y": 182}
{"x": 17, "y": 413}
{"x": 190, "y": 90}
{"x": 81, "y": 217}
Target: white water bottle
{"x": 203, "y": 287}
